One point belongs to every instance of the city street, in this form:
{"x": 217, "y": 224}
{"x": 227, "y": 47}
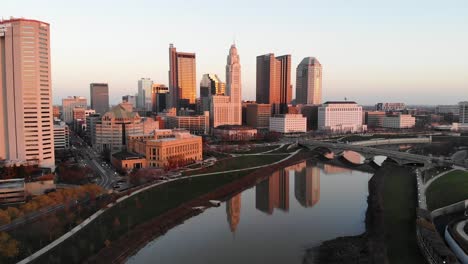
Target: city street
{"x": 92, "y": 159}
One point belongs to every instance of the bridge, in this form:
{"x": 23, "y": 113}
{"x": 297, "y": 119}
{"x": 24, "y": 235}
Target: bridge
{"x": 369, "y": 153}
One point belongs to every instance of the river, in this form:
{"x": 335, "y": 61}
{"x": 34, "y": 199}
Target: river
{"x": 294, "y": 209}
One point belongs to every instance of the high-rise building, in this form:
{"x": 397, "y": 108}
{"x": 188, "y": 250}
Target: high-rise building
{"x": 26, "y": 124}
{"x": 159, "y": 97}
{"x": 131, "y": 99}
{"x": 145, "y": 86}
{"x": 70, "y": 103}
{"x": 258, "y": 115}
{"x": 233, "y": 84}
{"x": 61, "y": 135}
{"x": 340, "y": 116}
{"x": 182, "y": 78}
{"x": 99, "y": 97}
{"x": 210, "y": 85}
{"x": 309, "y": 82}
{"x": 274, "y": 82}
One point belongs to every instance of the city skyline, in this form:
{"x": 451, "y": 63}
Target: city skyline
{"x": 359, "y": 57}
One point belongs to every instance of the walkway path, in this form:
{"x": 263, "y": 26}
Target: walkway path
{"x": 76, "y": 229}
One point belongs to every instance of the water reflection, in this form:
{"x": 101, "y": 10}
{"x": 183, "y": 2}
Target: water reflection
{"x": 273, "y": 193}
{"x": 326, "y": 202}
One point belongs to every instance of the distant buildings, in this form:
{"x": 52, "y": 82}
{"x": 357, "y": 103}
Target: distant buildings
{"x": 447, "y": 109}
{"x": 180, "y": 147}
{"x": 99, "y": 97}
{"x": 258, "y": 115}
{"x": 79, "y": 117}
{"x": 144, "y": 99}
{"x": 340, "y": 116}
{"x": 288, "y": 123}
{"x": 68, "y": 104}
{"x": 131, "y": 99}
{"x": 26, "y": 124}
{"x": 61, "y": 135}
{"x": 182, "y": 78}
{"x": 91, "y": 122}
{"x": 388, "y": 107}
{"x": 274, "y": 82}
{"x": 309, "y": 82}
{"x": 399, "y": 121}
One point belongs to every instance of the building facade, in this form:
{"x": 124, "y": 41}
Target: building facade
{"x": 463, "y": 112}
{"x": 131, "y": 99}
{"x": 26, "y": 122}
{"x": 374, "y": 119}
{"x": 235, "y": 133}
{"x": 399, "y": 121}
{"x": 389, "y": 107}
{"x": 180, "y": 148}
{"x": 70, "y": 103}
{"x": 99, "y": 97}
{"x": 182, "y": 78}
{"x": 309, "y": 82}
{"x": 288, "y": 123}
{"x": 233, "y": 84}
{"x": 145, "y": 86}
{"x": 274, "y": 82}
{"x": 159, "y": 97}
{"x": 258, "y": 115}
{"x": 114, "y": 127}
{"x": 340, "y": 116}
{"x": 61, "y": 136}
{"x": 198, "y": 125}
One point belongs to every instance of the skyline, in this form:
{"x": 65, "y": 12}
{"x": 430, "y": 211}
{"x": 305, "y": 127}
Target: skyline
{"x": 369, "y": 52}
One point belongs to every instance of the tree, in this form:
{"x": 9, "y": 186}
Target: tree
{"x": 4, "y": 218}
{"x": 14, "y": 213}
{"x": 9, "y": 247}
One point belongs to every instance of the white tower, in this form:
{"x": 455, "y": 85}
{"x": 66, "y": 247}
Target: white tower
{"x": 233, "y": 83}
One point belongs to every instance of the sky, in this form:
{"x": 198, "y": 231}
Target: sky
{"x": 412, "y": 51}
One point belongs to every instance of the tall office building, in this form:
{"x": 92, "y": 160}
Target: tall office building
{"x": 274, "y": 82}
{"x": 233, "y": 83}
{"x": 145, "y": 86}
{"x": 211, "y": 85}
{"x": 182, "y": 78}
{"x": 99, "y": 97}
{"x": 309, "y": 82}
{"x": 159, "y": 97}
{"x": 69, "y": 103}
{"x": 26, "y": 124}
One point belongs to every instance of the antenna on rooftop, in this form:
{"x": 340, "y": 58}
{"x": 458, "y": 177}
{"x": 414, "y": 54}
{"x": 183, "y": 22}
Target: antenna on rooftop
{"x": 346, "y": 99}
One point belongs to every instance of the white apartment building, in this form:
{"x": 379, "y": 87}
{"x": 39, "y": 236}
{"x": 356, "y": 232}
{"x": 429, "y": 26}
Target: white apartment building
{"x": 61, "y": 135}
{"x": 26, "y": 116}
{"x": 399, "y": 121}
{"x": 340, "y": 116}
{"x": 288, "y": 123}
{"x": 69, "y": 104}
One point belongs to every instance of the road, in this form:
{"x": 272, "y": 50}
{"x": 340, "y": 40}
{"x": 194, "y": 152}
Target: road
{"x": 92, "y": 159}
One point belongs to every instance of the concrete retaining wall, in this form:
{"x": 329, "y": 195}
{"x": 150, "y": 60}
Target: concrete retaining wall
{"x": 378, "y": 142}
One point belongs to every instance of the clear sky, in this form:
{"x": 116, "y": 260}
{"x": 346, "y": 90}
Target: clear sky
{"x": 414, "y": 51}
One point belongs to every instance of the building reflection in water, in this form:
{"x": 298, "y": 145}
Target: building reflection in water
{"x": 273, "y": 192}
{"x": 307, "y": 184}
{"x": 233, "y": 208}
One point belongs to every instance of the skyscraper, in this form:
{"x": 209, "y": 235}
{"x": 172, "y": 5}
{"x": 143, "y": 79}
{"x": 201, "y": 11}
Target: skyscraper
{"x": 233, "y": 83}
{"x": 26, "y": 125}
{"x": 182, "y": 78}
{"x": 210, "y": 85}
{"x": 99, "y": 97}
{"x": 68, "y": 104}
{"x": 309, "y": 82}
{"x": 274, "y": 82}
{"x": 159, "y": 95}
{"x": 145, "y": 86}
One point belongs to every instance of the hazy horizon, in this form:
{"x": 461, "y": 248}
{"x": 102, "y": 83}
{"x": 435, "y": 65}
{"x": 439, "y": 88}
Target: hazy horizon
{"x": 370, "y": 52}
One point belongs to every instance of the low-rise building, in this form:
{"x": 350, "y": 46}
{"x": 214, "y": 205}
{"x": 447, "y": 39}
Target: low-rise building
{"x": 162, "y": 150}
{"x": 12, "y": 191}
{"x": 126, "y": 161}
{"x": 399, "y": 121}
{"x": 288, "y": 123}
{"x": 198, "y": 125}
{"x": 374, "y": 119}
{"x": 340, "y": 116}
{"x": 235, "y": 133}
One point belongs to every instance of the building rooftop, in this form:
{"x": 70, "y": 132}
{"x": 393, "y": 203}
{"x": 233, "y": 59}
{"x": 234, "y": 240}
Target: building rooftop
{"x": 340, "y": 102}
{"x": 234, "y": 127}
{"x": 126, "y": 155}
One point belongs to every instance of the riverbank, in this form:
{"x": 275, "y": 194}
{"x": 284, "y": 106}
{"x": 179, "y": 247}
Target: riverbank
{"x": 390, "y": 235}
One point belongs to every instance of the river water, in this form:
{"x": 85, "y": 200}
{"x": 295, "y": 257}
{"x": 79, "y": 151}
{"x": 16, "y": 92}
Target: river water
{"x": 294, "y": 209}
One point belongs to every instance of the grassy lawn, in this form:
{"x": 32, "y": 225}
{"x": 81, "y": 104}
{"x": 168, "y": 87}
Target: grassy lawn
{"x": 399, "y": 215}
{"x": 136, "y": 210}
{"x": 449, "y": 189}
{"x": 255, "y": 150}
{"x": 238, "y": 163}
